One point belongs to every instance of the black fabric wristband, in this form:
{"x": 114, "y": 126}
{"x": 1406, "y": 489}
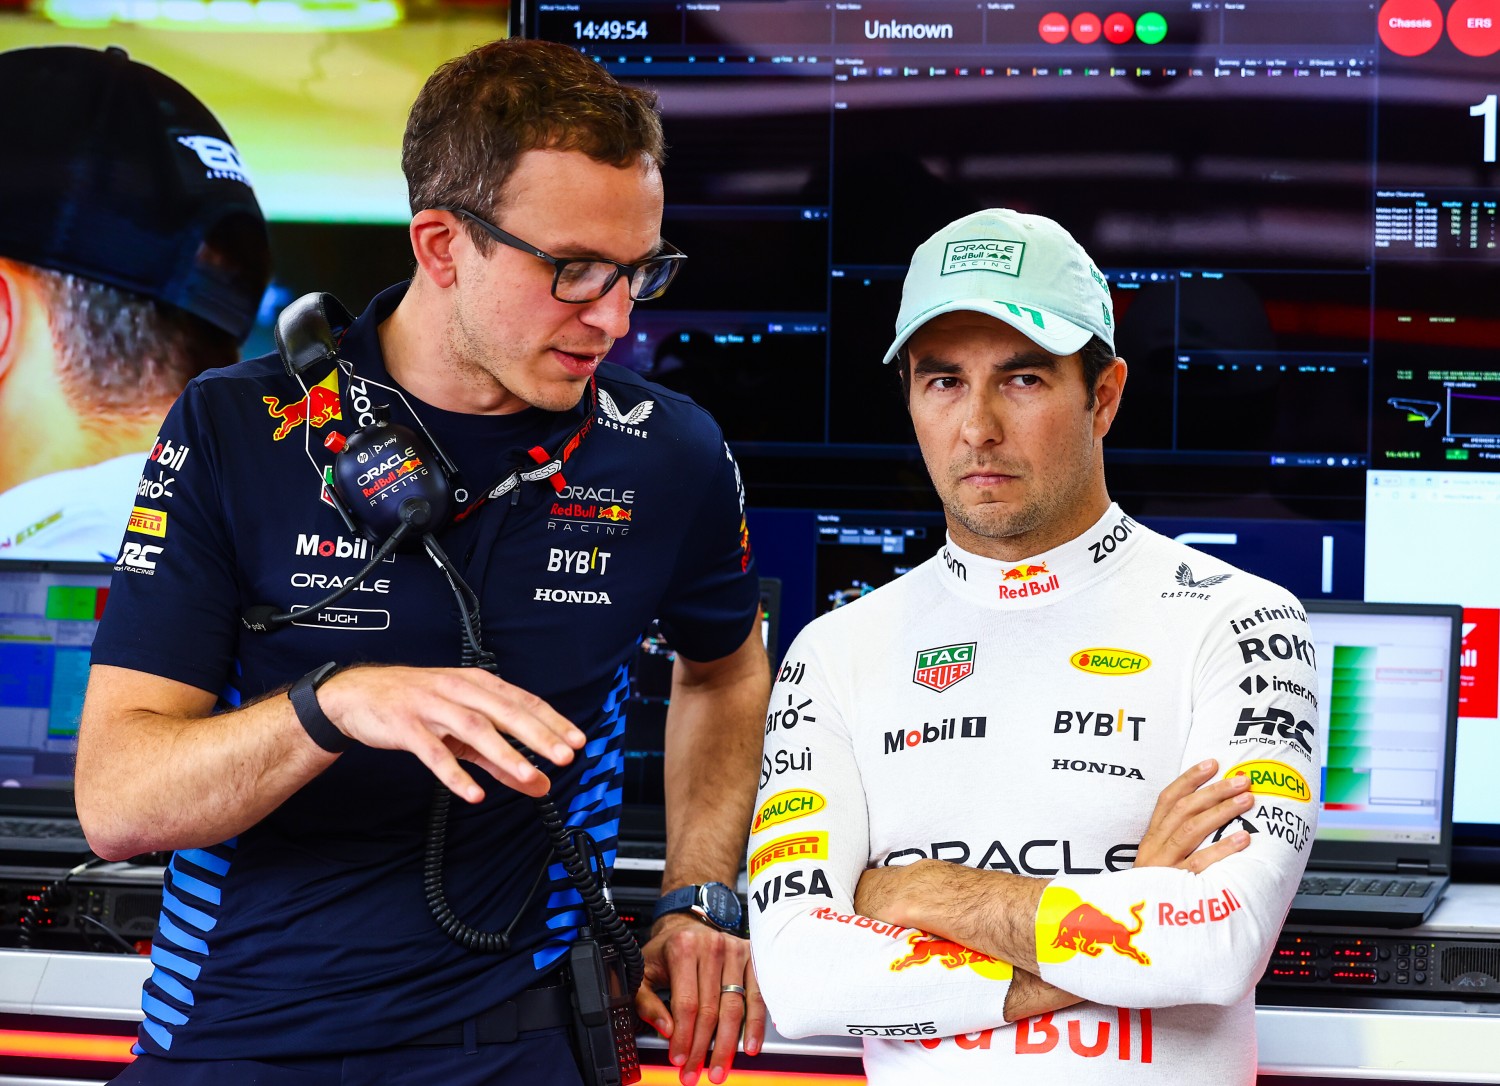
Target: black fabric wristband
{"x": 304, "y": 696}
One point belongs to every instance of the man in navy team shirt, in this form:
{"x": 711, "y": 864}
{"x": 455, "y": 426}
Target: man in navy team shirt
{"x": 296, "y": 943}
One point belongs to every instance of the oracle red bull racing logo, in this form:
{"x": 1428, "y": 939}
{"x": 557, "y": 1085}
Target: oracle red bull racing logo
{"x": 939, "y": 668}
{"x": 1067, "y": 925}
{"x": 924, "y": 948}
{"x": 318, "y": 408}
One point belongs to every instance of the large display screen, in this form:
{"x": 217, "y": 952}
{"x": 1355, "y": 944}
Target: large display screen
{"x": 1294, "y": 204}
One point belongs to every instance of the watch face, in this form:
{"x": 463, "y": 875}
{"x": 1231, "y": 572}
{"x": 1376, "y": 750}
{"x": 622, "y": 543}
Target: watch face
{"x": 721, "y": 904}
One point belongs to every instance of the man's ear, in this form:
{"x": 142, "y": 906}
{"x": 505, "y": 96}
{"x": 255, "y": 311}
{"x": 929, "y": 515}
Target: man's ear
{"x": 1107, "y": 394}
{"x": 432, "y": 236}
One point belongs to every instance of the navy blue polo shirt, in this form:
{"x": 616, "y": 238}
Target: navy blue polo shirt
{"x": 308, "y": 932}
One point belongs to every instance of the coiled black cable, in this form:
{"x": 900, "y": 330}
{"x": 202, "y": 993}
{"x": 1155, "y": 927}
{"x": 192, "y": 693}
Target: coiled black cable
{"x": 589, "y": 883}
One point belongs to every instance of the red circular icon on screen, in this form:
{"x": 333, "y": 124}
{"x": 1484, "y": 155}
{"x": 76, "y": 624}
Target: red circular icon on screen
{"x": 1086, "y": 28}
{"x": 1410, "y": 27}
{"x": 1474, "y": 26}
{"x": 1053, "y": 28}
{"x": 1119, "y": 28}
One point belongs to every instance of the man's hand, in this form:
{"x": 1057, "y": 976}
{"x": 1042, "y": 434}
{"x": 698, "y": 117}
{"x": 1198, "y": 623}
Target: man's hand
{"x": 1187, "y": 811}
{"x": 448, "y": 715}
{"x": 696, "y": 961}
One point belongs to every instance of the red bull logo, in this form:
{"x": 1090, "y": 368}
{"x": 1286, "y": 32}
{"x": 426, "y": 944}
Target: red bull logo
{"x": 924, "y": 948}
{"x": 1027, "y": 581}
{"x": 1090, "y": 930}
{"x": 614, "y": 513}
{"x": 318, "y": 408}
{"x": 1025, "y": 573}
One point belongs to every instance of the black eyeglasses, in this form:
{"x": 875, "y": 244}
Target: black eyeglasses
{"x": 587, "y": 279}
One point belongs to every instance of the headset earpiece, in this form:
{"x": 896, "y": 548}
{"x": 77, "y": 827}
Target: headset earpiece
{"x": 304, "y": 332}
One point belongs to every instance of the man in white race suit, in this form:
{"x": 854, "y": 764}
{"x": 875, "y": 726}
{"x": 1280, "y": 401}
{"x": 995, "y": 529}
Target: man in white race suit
{"x": 1059, "y": 705}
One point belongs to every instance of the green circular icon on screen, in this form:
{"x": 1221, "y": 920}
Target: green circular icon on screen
{"x": 1151, "y": 27}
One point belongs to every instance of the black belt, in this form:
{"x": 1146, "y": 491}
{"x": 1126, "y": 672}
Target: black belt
{"x": 535, "y": 1008}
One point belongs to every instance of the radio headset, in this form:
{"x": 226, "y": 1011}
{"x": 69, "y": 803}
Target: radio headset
{"x": 397, "y": 488}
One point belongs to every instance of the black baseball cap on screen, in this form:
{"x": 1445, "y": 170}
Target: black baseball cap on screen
{"x": 112, "y": 171}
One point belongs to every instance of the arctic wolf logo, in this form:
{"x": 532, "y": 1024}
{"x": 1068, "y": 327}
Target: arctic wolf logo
{"x": 1088, "y": 929}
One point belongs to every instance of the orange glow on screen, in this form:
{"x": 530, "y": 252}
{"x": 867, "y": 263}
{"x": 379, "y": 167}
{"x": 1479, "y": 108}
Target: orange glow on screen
{"x": 66, "y": 1046}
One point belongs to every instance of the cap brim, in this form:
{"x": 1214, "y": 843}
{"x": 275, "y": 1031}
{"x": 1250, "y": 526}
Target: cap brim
{"x": 1060, "y": 337}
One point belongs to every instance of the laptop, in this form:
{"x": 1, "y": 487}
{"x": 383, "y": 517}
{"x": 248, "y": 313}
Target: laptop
{"x": 1388, "y": 701}
{"x": 49, "y": 611}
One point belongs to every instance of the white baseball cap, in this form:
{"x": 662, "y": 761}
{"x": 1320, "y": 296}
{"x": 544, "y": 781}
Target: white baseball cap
{"x": 1022, "y": 269}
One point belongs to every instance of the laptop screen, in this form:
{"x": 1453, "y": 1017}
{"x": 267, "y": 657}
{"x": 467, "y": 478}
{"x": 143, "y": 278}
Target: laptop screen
{"x": 1388, "y": 701}
{"x": 48, "y": 614}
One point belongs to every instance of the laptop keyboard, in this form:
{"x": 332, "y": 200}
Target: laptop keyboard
{"x": 40, "y": 829}
{"x": 1325, "y": 886}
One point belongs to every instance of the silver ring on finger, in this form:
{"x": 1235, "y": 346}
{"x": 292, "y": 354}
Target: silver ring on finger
{"x": 732, "y": 989}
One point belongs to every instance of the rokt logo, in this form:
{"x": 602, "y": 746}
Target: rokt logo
{"x": 785, "y": 807}
{"x": 1280, "y": 646}
{"x": 939, "y": 668}
{"x": 1273, "y": 779}
{"x": 1109, "y": 661}
{"x": 972, "y": 727}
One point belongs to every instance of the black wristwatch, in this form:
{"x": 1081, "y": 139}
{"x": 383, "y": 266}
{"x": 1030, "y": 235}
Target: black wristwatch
{"x": 712, "y": 902}
{"x": 304, "y": 696}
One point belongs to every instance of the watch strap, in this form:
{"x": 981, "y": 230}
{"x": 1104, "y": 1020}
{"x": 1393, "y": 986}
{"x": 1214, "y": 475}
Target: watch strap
{"x": 315, "y": 722}
{"x": 676, "y": 901}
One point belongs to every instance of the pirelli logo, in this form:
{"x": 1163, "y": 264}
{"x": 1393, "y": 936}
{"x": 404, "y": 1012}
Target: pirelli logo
{"x": 797, "y": 846}
{"x": 148, "y": 522}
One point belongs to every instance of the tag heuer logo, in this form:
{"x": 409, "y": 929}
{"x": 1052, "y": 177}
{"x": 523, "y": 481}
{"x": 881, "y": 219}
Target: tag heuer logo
{"x": 983, "y": 254}
{"x": 939, "y": 668}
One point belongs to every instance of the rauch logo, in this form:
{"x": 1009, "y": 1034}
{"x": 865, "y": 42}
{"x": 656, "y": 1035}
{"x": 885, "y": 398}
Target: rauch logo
{"x": 786, "y": 806}
{"x": 1109, "y": 661}
{"x": 939, "y": 668}
{"x": 1273, "y": 779}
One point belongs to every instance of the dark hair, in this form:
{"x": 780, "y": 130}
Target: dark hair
{"x": 477, "y": 114}
{"x": 123, "y": 353}
{"x": 1095, "y": 356}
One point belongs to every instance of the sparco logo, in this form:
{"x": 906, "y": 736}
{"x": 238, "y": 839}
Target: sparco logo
{"x": 910, "y": 1029}
{"x": 1105, "y": 545}
{"x": 969, "y": 727}
{"x": 1265, "y": 726}
{"x": 1280, "y": 646}
{"x": 1108, "y": 769}
{"x": 337, "y": 547}
{"x": 572, "y": 595}
{"x": 939, "y": 668}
